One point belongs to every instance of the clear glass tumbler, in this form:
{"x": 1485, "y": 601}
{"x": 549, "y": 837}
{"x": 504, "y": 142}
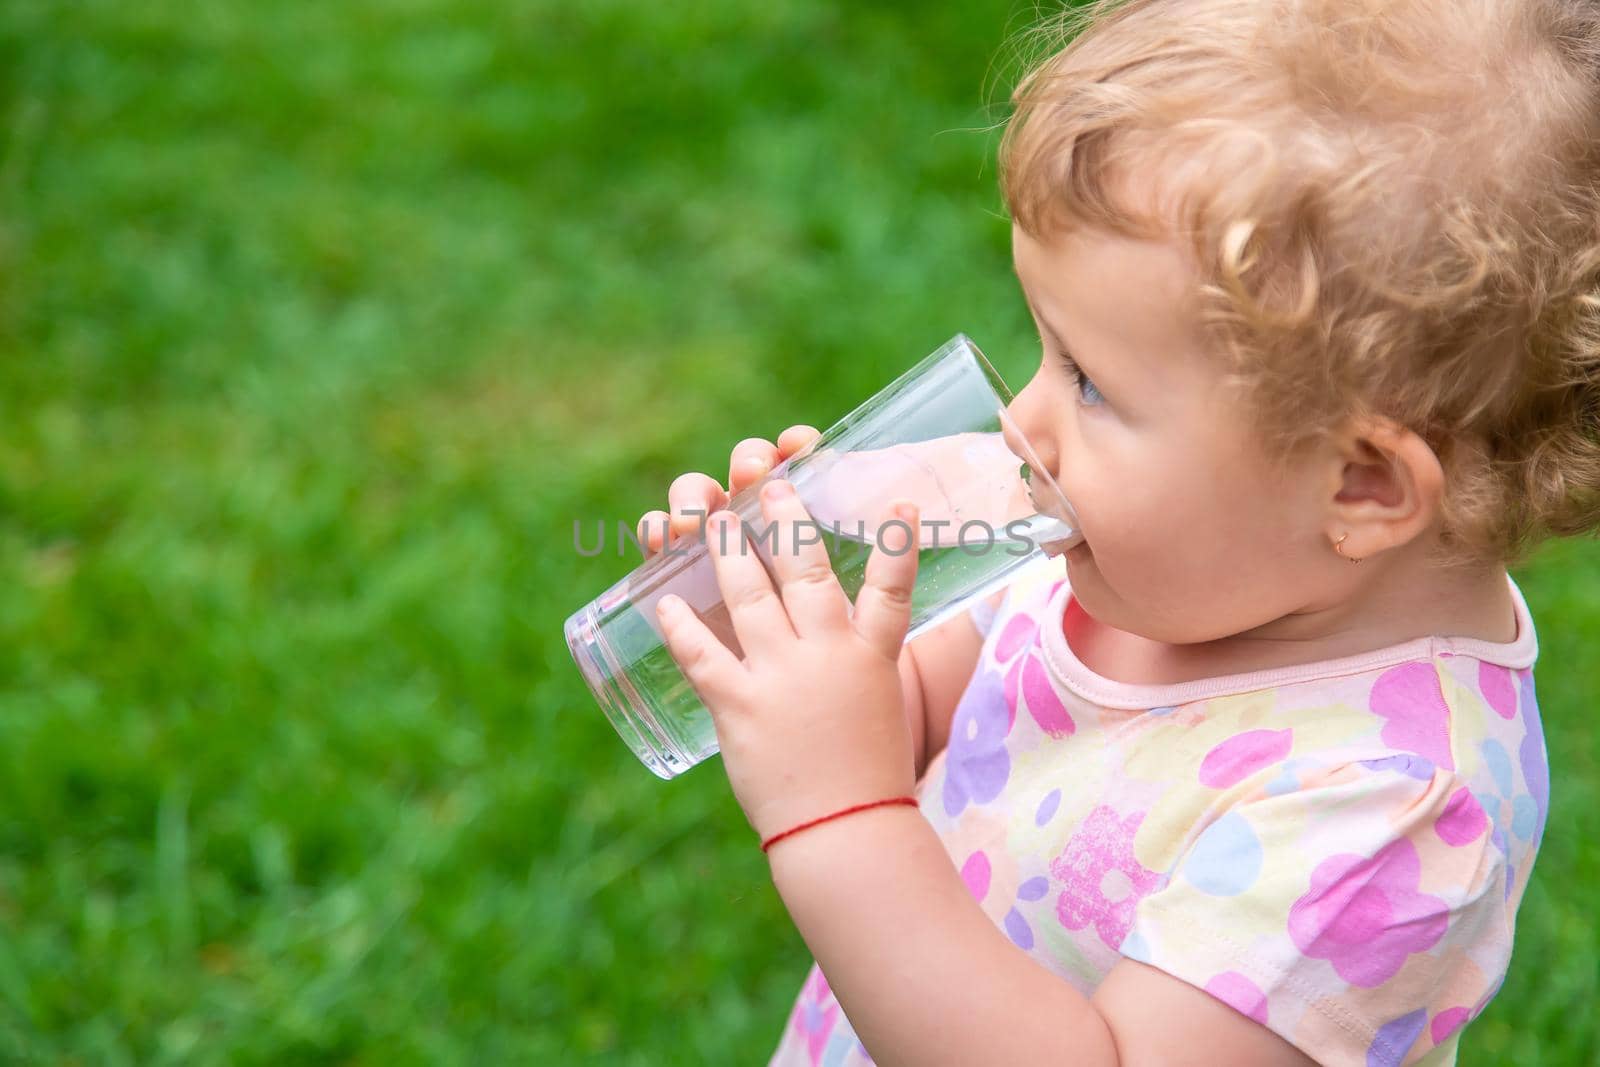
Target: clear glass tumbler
{"x": 939, "y": 435}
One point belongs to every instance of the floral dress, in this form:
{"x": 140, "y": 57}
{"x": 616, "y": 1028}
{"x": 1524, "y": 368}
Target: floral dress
{"x": 1335, "y": 850}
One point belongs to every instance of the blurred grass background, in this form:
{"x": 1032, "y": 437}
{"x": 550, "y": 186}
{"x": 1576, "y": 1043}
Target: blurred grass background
{"x": 319, "y": 327}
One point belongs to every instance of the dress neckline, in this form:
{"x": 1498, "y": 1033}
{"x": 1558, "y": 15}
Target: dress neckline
{"x": 1071, "y": 672}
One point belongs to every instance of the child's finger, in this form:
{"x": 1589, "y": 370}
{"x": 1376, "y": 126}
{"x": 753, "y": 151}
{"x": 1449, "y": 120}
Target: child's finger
{"x": 754, "y": 457}
{"x": 652, "y": 531}
{"x": 795, "y": 438}
{"x": 760, "y": 620}
{"x": 692, "y": 498}
{"x": 883, "y": 606}
{"x": 705, "y": 661}
{"x": 811, "y": 593}
{"x": 750, "y": 461}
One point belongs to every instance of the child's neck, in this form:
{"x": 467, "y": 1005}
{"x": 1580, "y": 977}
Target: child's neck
{"x": 1401, "y": 599}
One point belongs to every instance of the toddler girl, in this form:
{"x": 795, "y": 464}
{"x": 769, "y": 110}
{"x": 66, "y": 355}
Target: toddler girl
{"x": 1255, "y": 775}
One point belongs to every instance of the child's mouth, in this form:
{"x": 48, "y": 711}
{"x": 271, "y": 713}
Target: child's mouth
{"x": 1069, "y": 549}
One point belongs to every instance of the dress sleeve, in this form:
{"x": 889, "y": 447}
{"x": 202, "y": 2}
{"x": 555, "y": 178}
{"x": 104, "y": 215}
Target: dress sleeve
{"x": 1359, "y": 910}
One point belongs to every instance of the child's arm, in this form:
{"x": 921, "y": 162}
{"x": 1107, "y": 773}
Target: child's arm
{"x": 812, "y": 720}
{"x": 926, "y": 977}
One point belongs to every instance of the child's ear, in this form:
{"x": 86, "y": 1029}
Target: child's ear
{"x": 1388, "y": 487}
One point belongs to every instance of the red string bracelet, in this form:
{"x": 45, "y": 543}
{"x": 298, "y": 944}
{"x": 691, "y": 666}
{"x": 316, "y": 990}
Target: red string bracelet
{"x": 775, "y": 838}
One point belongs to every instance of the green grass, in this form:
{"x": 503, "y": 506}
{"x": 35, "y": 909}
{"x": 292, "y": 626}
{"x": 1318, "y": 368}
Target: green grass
{"x": 319, "y": 326}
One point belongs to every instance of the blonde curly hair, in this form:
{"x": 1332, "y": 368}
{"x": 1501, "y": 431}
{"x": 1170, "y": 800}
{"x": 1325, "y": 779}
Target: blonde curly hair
{"x": 1394, "y": 208}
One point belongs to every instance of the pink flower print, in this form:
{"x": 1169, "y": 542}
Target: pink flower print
{"x": 1366, "y": 916}
{"x": 1021, "y": 633}
{"x": 1446, "y": 1023}
{"x": 1102, "y": 882}
{"x": 1462, "y": 821}
{"x": 1508, "y": 692}
{"x": 975, "y": 873}
{"x": 1242, "y": 755}
{"x": 815, "y": 1014}
{"x": 1410, "y": 698}
{"x": 1522, "y": 814}
{"x": 1494, "y": 681}
{"x": 1018, "y": 632}
{"x": 1026, "y": 681}
{"x": 1043, "y": 703}
{"x": 1240, "y": 994}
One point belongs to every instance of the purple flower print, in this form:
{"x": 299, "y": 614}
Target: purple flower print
{"x": 1047, "y": 807}
{"x": 1511, "y": 812}
{"x": 1101, "y": 880}
{"x": 1395, "y": 1038}
{"x": 977, "y": 874}
{"x": 1366, "y": 916}
{"x": 1531, "y": 753}
{"x": 815, "y": 1014}
{"x": 976, "y": 761}
{"x": 977, "y": 764}
{"x": 1017, "y": 927}
{"x": 1506, "y": 691}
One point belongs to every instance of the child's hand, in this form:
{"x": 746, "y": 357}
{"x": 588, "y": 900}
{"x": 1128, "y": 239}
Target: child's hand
{"x": 811, "y": 720}
{"x": 691, "y": 498}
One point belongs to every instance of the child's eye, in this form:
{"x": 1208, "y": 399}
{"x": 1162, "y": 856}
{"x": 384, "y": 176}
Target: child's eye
{"x": 1088, "y": 392}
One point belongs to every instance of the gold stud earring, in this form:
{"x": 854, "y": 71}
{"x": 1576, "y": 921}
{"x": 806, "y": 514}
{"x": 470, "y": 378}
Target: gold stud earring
{"x": 1338, "y": 547}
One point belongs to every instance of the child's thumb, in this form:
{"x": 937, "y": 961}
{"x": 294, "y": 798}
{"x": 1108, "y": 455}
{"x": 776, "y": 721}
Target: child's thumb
{"x": 883, "y": 606}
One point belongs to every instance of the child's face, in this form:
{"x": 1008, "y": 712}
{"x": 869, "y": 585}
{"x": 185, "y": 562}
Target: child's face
{"x": 1189, "y": 534}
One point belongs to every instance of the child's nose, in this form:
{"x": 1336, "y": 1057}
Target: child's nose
{"x": 1027, "y": 422}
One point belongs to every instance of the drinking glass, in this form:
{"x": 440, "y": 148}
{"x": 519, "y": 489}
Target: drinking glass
{"x": 939, "y": 435}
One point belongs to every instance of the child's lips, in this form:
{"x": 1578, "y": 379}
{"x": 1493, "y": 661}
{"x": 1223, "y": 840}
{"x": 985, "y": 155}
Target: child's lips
{"x": 1073, "y": 549}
